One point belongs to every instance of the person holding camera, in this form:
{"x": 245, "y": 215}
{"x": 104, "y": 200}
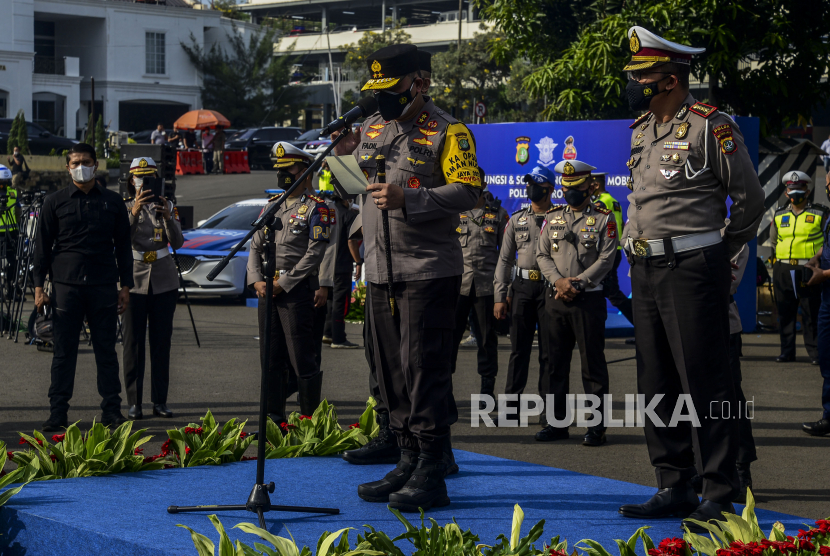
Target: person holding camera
{"x": 83, "y": 245}
{"x": 154, "y": 224}
{"x": 576, "y": 250}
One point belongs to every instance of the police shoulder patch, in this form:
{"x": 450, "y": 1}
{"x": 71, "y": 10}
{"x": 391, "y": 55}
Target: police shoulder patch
{"x": 602, "y": 210}
{"x": 275, "y": 197}
{"x": 317, "y": 199}
{"x": 554, "y": 208}
{"x": 640, "y": 120}
{"x": 518, "y": 211}
{"x": 783, "y": 208}
{"x": 701, "y": 109}
{"x": 819, "y": 207}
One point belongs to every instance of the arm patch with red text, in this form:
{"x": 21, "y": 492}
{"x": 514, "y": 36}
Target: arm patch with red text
{"x": 723, "y": 133}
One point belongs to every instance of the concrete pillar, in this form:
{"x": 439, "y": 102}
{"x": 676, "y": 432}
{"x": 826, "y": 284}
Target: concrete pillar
{"x": 324, "y": 20}
{"x": 394, "y": 15}
{"x": 383, "y": 16}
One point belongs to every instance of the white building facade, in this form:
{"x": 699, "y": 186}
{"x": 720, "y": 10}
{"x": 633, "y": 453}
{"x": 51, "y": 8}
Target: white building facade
{"x": 50, "y": 50}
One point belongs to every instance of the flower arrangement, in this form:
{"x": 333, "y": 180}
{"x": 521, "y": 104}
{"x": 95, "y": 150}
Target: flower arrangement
{"x": 357, "y": 309}
{"x": 209, "y": 444}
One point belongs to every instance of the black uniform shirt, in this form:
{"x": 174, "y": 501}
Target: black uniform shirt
{"x": 84, "y": 239}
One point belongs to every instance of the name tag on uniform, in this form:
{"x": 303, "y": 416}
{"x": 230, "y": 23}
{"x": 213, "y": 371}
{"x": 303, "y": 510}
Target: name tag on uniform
{"x": 157, "y": 235}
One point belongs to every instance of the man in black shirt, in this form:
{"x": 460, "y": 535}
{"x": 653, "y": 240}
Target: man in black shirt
{"x": 343, "y": 270}
{"x": 83, "y": 244}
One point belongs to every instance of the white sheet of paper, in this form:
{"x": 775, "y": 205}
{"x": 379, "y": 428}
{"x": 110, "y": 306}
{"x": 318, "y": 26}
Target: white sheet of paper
{"x": 348, "y": 174}
{"x": 795, "y": 287}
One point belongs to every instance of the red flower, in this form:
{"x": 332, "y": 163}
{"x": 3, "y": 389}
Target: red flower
{"x": 24, "y": 441}
{"x": 243, "y": 434}
{"x": 10, "y": 455}
{"x": 52, "y": 457}
{"x": 191, "y": 430}
{"x": 151, "y": 459}
{"x": 138, "y": 451}
{"x": 824, "y": 550}
{"x": 247, "y": 458}
{"x": 58, "y": 438}
{"x": 304, "y": 417}
{"x": 807, "y": 545}
{"x": 558, "y": 552}
{"x": 165, "y": 448}
{"x": 187, "y": 450}
{"x": 357, "y": 426}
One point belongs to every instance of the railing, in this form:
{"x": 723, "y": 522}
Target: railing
{"x": 50, "y": 66}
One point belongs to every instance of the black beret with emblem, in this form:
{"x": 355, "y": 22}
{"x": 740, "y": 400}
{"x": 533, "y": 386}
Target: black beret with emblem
{"x": 389, "y": 64}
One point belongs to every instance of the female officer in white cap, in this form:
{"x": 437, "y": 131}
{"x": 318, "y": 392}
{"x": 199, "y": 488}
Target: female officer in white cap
{"x": 153, "y": 299}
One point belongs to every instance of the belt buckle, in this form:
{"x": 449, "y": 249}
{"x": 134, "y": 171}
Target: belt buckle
{"x": 641, "y": 247}
{"x": 150, "y": 256}
{"x": 534, "y": 275}
{"x": 794, "y": 262}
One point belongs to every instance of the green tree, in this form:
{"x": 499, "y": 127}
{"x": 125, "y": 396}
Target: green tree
{"x": 249, "y": 84}
{"x": 18, "y": 134}
{"x": 764, "y": 58}
{"x": 229, "y": 10}
{"x": 358, "y": 53}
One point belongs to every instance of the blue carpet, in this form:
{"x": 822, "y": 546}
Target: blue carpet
{"x": 126, "y": 513}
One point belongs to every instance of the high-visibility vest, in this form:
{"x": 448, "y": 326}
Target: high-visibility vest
{"x": 610, "y": 203}
{"x": 799, "y": 235}
{"x": 325, "y": 181}
{"x": 8, "y": 214}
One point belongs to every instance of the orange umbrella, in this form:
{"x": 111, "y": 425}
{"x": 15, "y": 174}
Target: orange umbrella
{"x": 201, "y": 119}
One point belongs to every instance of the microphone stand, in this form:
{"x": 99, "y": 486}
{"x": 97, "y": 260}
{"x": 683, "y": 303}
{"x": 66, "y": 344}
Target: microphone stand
{"x": 258, "y": 501}
{"x": 380, "y": 165}
{"x": 184, "y": 291}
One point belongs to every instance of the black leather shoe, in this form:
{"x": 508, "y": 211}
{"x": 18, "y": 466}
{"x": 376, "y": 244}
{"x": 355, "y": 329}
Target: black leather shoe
{"x": 785, "y": 358}
{"x": 668, "y": 502}
{"x": 817, "y": 428}
{"x": 594, "y": 437}
{"x": 707, "y": 511}
{"x": 112, "y": 419}
{"x": 379, "y": 491}
{"x": 745, "y": 482}
{"x": 550, "y": 433}
{"x": 381, "y": 449}
{"x": 424, "y": 489}
{"x": 161, "y": 410}
{"x": 55, "y": 423}
{"x": 134, "y": 414}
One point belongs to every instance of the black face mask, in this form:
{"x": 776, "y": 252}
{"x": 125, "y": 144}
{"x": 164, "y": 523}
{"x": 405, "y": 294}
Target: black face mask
{"x": 640, "y": 94}
{"x": 797, "y": 196}
{"x": 392, "y": 105}
{"x": 575, "y": 197}
{"x": 536, "y": 192}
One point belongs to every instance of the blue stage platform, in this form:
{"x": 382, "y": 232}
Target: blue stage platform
{"x": 126, "y": 513}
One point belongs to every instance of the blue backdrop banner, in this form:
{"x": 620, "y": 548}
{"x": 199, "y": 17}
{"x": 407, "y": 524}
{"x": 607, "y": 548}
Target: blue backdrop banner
{"x": 506, "y": 152}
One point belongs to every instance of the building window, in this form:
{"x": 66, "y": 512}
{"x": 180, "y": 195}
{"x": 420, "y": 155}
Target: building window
{"x": 155, "y": 53}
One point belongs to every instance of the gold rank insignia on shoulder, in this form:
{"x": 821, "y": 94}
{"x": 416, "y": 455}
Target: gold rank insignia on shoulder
{"x": 701, "y": 109}
{"x": 682, "y": 130}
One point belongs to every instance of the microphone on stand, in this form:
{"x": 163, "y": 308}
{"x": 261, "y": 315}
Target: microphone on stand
{"x": 365, "y": 107}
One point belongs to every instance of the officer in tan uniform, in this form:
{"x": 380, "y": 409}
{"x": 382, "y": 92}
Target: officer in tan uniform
{"x": 686, "y": 158}
{"x": 576, "y": 251}
{"x": 524, "y": 295}
{"x": 480, "y": 234}
{"x": 301, "y": 246}
{"x": 431, "y": 176}
{"x": 153, "y": 299}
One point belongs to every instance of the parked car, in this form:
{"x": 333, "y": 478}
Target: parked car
{"x": 310, "y": 135}
{"x": 210, "y": 241}
{"x": 259, "y": 141}
{"x": 143, "y": 137}
{"x": 41, "y": 141}
{"x": 317, "y": 147}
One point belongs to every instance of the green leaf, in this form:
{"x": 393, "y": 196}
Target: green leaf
{"x": 284, "y": 546}
{"x": 516, "y": 529}
{"x": 204, "y": 546}
{"x": 323, "y": 550}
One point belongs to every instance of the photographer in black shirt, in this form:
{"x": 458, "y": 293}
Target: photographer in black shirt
{"x": 83, "y": 244}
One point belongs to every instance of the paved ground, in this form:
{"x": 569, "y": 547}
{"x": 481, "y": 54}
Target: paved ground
{"x": 224, "y": 376}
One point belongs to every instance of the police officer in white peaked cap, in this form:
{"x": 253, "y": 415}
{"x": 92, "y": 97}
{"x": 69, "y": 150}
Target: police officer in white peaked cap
{"x": 686, "y": 158}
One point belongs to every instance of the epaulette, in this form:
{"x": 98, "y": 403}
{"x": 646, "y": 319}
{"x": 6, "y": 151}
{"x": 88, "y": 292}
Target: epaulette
{"x": 820, "y": 207}
{"x": 640, "y": 120}
{"x": 316, "y": 199}
{"x": 555, "y": 208}
{"x": 701, "y": 109}
{"x": 783, "y": 207}
{"x": 275, "y": 197}
{"x": 602, "y": 210}
{"x": 518, "y": 211}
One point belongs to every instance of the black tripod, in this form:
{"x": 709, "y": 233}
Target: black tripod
{"x": 32, "y": 202}
{"x": 258, "y": 501}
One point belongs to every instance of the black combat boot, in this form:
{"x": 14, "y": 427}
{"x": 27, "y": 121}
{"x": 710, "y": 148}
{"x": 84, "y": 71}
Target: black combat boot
{"x": 381, "y": 449}
{"x": 449, "y": 458}
{"x": 679, "y": 501}
{"x": 309, "y": 396}
{"x": 425, "y": 488}
{"x": 379, "y": 491}
{"x": 745, "y": 478}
